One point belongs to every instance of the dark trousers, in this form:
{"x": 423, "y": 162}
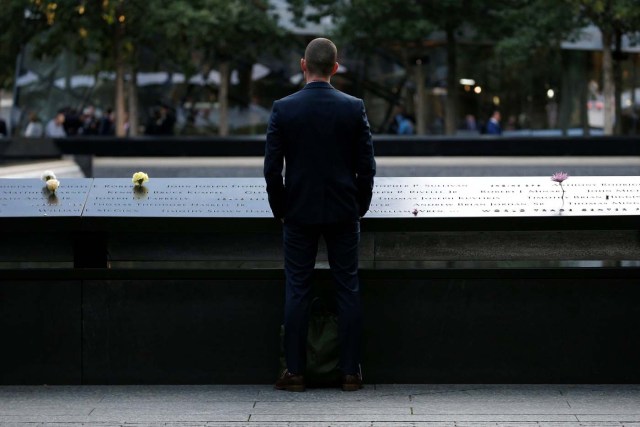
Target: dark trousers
{"x": 300, "y": 249}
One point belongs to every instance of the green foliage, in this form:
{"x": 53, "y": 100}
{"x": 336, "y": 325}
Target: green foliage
{"x": 219, "y": 30}
{"x": 20, "y": 21}
{"x": 114, "y": 30}
{"x": 526, "y": 29}
{"x": 370, "y": 24}
{"x": 197, "y": 33}
{"x": 521, "y": 29}
{"x": 109, "y": 30}
{"x": 623, "y": 15}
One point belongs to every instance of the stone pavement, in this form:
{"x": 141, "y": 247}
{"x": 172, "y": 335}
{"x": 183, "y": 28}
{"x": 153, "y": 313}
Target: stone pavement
{"x": 375, "y": 405}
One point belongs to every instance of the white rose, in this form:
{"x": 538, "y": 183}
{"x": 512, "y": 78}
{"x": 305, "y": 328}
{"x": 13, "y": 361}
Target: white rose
{"x": 47, "y": 175}
{"x": 140, "y": 178}
{"x": 52, "y": 185}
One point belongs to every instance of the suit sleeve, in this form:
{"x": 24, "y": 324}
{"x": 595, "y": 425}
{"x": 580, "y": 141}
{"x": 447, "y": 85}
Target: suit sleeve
{"x": 273, "y": 164}
{"x": 366, "y": 164}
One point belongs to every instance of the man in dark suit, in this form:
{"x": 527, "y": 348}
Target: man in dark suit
{"x": 323, "y": 136}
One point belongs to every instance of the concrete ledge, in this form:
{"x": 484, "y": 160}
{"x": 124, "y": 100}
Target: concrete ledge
{"x": 65, "y": 168}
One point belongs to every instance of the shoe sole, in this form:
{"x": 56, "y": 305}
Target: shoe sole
{"x": 351, "y": 387}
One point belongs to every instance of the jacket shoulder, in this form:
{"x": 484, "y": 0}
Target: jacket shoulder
{"x": 289, "y": 98}
{"x": 349, "y": 98}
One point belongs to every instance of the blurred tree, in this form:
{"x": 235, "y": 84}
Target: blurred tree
{"x": 523, "y": 30}
{"x": 194, "y": 35}
{"x": 528, "y": 33}
{"x": 398, "y": 26}
{"x": 215, "y": 33}
{"x": 20, "y": 20}
{"x": 110, "y": 31}
{"x": 614, "y": 18}
{"x": 454, "y": 17}
{"x": 525, "y": 27}
{"x": 404, "y": 26}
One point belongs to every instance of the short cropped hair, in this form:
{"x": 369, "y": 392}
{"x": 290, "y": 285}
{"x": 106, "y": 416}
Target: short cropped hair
{"x": 321, "y": 55}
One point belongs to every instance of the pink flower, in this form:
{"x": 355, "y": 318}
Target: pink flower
{"x": 559, "y": 177}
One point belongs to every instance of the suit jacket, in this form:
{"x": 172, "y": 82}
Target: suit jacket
{"x": 322, "y": 136}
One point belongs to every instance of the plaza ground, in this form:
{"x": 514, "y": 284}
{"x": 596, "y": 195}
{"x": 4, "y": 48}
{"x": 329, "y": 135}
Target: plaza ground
{"x": 376, "y": 405}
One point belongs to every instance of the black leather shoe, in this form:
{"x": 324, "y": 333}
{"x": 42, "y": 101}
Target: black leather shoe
{"x": 290, "y": 382}
{"x": 351, "y": 382}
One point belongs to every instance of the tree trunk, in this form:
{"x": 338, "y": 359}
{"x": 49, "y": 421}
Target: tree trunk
{"x": 15, "y": 111}
{"x": 133, "y": 103}
{"x": 608, "y": 84}
{"x": 421, "y": 99}
{"x": 566, "y": 92}
{"x": 223, "y": 98}
{"x": 120, "y": 101}
{"x": 244, "y": 92}
{"x": 634, "y": 85}
{"x": 617, "y": 84}
{"x": 584, "y": 99}
{"x": 451, "y": 114}
{"x": 68, "y": 58}
{"x": 120, "y": 70}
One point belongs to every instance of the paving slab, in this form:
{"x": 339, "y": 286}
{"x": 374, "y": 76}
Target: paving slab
{"x": 351, "y": 408}
{"x": 377, "y": 405}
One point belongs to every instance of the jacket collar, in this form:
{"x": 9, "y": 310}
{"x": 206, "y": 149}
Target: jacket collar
{"x": 318, "y": 85}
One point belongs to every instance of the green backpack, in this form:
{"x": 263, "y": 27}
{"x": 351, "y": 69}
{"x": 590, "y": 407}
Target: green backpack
{"x": 323, "y": 348}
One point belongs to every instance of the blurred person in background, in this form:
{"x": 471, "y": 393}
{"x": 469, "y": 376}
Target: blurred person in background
{"x": 72, "y": 122}
{"x": 161, "y": 121}
{"x": 107, "y": 124}
{"x": 89, "y": 121}
{"x": 3, "y": 128}
{"x": 470, "y": 122}
{"x": 493, "y": 125}
{"x": 167, "y": 120}
{"x": 34, "y": 128}
{"x": 55, "y": 127}
{"x": 401, "y": 124}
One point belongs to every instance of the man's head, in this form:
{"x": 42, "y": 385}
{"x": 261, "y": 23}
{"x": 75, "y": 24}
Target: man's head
{"x": 320, "y": 59}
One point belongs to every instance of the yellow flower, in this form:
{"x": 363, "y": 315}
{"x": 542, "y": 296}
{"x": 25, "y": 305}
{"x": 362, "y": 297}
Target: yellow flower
{"x": 52, "y": 185}
{"x": 140, "y": 178}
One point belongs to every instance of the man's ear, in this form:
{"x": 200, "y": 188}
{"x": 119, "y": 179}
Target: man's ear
{"x": 303, "y": 65}
{"x": 335, "y": 68}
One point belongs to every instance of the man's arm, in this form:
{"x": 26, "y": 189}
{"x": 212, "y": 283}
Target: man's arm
{"x": 366, "y": 164}
{"x": 273, "y": 164}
